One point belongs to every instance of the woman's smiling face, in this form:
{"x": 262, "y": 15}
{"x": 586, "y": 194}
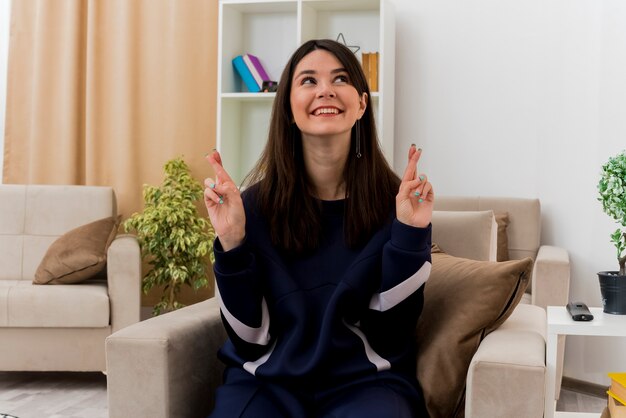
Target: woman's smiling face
{"x": 323, "y": 100}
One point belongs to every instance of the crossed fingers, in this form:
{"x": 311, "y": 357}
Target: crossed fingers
{"x": 412, "y": 183}
{"x": 216, "y": 190}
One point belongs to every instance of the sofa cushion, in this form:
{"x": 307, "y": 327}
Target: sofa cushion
{"x": 510, "y": 361}
{"x": 12, "y": 209}
{"x": 468, "y": 234}
{"x": 502, "y": 220}
{"x": 524, "y": 229}
{"x": 10, "y": 256}
{"x": 54, "y": 210}
{"x": 63, "y": 306}
{"x": 78, "y": 254}
{"x": 33, "y": 216}
{"x": 464, "y": 300}
{"x": 5, "y": 286}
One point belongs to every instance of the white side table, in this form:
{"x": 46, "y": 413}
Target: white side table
{"x": 561, "y": 323}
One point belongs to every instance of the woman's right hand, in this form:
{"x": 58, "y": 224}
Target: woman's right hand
{"x": 224, "y": 205}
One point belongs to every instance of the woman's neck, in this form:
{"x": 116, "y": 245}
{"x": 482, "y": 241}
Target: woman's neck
{"x": 325, "y": 160}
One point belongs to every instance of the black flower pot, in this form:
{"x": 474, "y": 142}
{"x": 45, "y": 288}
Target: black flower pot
{"x": 613, "y": 290}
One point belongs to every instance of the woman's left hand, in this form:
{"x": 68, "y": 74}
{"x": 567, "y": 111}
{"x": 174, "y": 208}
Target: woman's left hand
{"x": 415, "y": 199}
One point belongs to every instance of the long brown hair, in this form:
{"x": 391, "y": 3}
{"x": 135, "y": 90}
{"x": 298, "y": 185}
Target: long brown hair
{"x": 284, "y": 196}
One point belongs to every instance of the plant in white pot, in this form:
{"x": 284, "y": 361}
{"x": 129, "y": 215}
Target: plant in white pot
{"x": 612, "y": 190}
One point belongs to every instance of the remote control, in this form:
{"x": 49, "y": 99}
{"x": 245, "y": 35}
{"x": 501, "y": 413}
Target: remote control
{"x": 579, "y": 311}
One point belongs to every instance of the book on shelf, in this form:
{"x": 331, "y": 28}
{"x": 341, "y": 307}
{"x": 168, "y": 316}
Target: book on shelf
{"x": 617, "y": 395}
{"x": 618, "y": 387}
{"x": 616, "y": 409}
{"x": 245, "y": 74}
{"x": 369, "y": 62}
{"x": 374, "y": 71}
{"x": 365, "y": 63}
{"x": 256, "y": 69}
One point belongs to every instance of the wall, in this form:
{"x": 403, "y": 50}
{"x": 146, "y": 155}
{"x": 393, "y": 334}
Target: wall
{"x": 5, "y": 13}
{"x": 522, "y": 98}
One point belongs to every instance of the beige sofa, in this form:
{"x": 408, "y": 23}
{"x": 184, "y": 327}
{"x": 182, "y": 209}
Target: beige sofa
{"x": 61, "y": 326}
{"x": 167, "y": 366}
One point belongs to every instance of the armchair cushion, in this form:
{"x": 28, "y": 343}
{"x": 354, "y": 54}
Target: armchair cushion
{"x": 468, "y": 234}
{"x": 502, "y": 220}
{"x": 464, "y": 300}
{"x": 78, "y": 254}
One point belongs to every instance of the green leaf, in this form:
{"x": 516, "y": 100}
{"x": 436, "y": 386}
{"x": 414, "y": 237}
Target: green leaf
{"x": 173, "y": 236}
{"x": 612, "y": 195}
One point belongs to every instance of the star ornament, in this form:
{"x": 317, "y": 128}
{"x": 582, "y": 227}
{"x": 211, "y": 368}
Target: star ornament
{"x": 353, "y": 48}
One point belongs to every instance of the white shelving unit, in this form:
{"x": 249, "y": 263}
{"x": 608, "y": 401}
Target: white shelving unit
{"x": 272, "y": 30}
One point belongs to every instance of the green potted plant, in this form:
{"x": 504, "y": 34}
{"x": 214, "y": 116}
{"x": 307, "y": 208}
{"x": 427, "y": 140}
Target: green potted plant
{"x": 176, "y": 242}
{"x": 612, "y": 190}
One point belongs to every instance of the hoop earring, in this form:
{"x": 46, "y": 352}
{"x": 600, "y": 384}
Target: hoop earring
{"x": 358, "y": 139}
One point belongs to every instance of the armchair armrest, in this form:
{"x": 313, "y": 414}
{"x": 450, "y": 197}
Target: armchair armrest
{"x": 166, "y": 366}
{"x": 124, "y": 281}
{"x": 506, "y": 376}
{"x": 550, "y": 286}
{"x": 551, "y": 273}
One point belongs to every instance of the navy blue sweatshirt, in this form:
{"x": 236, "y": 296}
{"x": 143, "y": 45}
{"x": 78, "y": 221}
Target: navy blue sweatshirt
{"x": 331, "y": 317}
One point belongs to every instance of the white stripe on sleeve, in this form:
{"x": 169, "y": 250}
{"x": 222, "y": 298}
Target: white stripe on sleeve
{"x": 251, "y": 366}
{"x": 391, "y": 297}
{"x": 250, "y": 335}
{"x": 372, "y": 356}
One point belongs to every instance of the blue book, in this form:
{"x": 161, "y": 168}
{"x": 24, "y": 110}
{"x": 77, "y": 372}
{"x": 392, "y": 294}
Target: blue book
{"x": 245, "y": 74}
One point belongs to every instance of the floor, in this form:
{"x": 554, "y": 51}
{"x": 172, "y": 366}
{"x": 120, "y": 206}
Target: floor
{"x": 53, "y": 395}
{"x": 572, "y": 401}
{"x": 83, "y": 395}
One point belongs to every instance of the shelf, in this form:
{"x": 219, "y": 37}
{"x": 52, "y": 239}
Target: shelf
{"x": 272, "y": 30}
{"x": 266, "y": 96}
{"x": 326, "y": 19}
{"x": 261, "y": 6}
{"x": 343, "y": 5}
{"x": 603, "y": 324}
{"x": 259, "y": 29}
{"x": 248, "y": 96}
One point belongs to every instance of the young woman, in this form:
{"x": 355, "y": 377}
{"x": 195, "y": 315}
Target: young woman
{"x": 320, "y": 263}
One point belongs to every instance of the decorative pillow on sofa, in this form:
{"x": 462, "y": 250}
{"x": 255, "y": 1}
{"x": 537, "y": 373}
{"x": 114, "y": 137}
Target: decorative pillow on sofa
{"x": 78, "y": 254}
{"x": 502, "y": 219}
{"x": 464, "y": 300}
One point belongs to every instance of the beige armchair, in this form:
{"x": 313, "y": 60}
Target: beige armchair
{"x": 506, "y": 348}
{"x": 61, "y": 326}
{"x": 167, "y": 366}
